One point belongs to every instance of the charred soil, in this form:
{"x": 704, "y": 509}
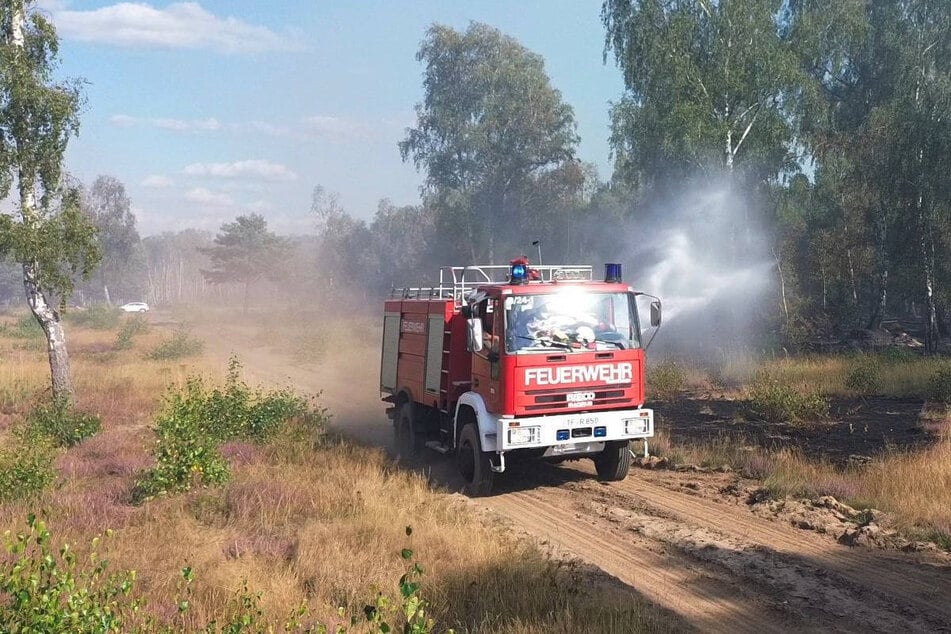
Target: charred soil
{"x": 856, "y": 428}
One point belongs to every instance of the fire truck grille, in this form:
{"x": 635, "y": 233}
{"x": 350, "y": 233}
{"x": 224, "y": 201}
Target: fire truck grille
{"x": 556, "y": 399}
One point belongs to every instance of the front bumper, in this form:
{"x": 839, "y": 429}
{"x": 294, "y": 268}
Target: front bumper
{"x": 575, "y": 432}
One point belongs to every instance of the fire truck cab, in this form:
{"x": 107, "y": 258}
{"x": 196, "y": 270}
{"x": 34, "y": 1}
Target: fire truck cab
{"x": 519, "y": 361}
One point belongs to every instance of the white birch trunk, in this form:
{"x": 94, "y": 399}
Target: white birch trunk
{"x": 36, "y": 297}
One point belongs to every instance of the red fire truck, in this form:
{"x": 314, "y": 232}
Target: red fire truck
{"x": 516, "y": 362}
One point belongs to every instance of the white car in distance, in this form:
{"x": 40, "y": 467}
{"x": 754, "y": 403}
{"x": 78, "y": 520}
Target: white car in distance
{"x": 135, "y": 307}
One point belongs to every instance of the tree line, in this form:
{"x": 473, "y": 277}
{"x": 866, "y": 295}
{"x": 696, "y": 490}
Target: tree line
{"x": 831, "y": 120}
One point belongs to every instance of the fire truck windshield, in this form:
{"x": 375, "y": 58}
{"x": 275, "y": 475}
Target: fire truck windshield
{"x": 571, "y": 319}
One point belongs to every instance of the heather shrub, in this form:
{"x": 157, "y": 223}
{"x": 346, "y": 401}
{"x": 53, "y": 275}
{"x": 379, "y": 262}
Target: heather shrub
{"x": 62, "y": 423}
{"x": 97, "y": 317}
{"x": 197, "y": 419}
{"x": 865, "y": 377}
{"x": 25, "y": 327}
{"x": 939, "y": 385}
{"x": 665, "y": 381}
{"x": 26, "y": 466}
{"x": 47, "y": 588}
{"x": 132, "y": 326}
{"x": 178, "y": 345}
{"x": 773, "y": 401}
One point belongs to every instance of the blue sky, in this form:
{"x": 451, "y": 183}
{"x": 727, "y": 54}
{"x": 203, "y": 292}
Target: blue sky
{"x": 212, "y": 109}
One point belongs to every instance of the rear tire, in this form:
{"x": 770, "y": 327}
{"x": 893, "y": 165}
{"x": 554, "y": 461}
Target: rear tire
{"x": 405, "y": 439}
{"x": 613, "y": 463}
{"x": 474, "y": 464}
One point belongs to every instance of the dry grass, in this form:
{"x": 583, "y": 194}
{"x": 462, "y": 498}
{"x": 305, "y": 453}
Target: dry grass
{"x": 903, "y": 374}
{"x": 318, "y": 525}
{"x": 828, "y": 374}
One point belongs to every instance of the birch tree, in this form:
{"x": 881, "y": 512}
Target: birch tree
{"x": 885, "y": 120}
{"x": 706, "y": 88}
{"x": 122, "y": 267}
{"x": 47, "y": 233}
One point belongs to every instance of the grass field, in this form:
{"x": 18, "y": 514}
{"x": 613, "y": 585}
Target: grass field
{"x": 315, "y": 523}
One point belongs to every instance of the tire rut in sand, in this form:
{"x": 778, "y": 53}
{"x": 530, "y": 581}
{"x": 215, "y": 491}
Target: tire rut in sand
{"x": 706, "y": 598}
{"x": 917, "y": 592}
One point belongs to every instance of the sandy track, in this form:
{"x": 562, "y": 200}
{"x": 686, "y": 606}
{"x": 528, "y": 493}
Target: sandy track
{"x": 724, "y": 569}
{"x": 703, "y": 598}
{"x": 712, "y": 561}
{"x": 898, "y": 577}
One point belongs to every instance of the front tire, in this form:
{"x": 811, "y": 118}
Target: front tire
{"x": 474, "y": 464}
{"x": 614, "y": 461}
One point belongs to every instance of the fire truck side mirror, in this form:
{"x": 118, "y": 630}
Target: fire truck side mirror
{"x": 474, "y": 326}
{"x": 655, "y": 313}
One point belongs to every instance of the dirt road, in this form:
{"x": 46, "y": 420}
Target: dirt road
{"x": 680, "y": 539}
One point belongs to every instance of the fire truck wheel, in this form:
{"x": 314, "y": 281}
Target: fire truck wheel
{"x": 404, "y": 432}
{"x": 613, "y": 463}
{"x": 474, "y": 463}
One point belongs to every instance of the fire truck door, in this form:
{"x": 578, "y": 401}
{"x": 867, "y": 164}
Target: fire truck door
{"x": 485, "y": 364}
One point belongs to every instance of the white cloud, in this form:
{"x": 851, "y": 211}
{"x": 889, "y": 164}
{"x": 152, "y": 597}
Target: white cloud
{"x": 156, "y": 181}
{"x": 252, "y": 168}
{"x": 181, "y": 125}
{"x": 339, "y": 129}
{"x": 269, "y": 129}
{"x": 202, "y": 196}
{"x": 178, "y": 25}
{"x": 210, "y": 124}
{"x": 336, "y": 128}
{"x": 122, "y": 120}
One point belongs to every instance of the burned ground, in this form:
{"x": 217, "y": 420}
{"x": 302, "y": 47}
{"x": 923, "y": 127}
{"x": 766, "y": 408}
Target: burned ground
{"x": 855, "y": 430}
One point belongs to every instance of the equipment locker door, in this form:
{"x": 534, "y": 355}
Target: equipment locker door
{"x": 485, "y": 364}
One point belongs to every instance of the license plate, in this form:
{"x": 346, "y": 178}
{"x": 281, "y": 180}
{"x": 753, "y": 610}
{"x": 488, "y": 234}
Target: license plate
{"x": 582, "y": 421}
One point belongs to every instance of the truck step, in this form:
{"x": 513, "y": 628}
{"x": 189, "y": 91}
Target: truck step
{"x": 435, "y": 445}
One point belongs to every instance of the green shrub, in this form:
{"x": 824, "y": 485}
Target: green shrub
{"x": 939, "y": 386}
{"x": 179, "y": 345}
{"x": 775, "y": 402}
{"x": 62, "y": 423}
{"x": 26, "y": 466}
{"x": 899, "y": 355}
{"x": 865, "y": 377}
{"x": 52, "y": 590}
{"x": 26, "y": 327}
{"x": 97, "y": 317}
{"x": 665, "y": 381}
{"x": 186, "y": 453}
{"x": 195, "y": 420}
{"x": 132, "y": 326}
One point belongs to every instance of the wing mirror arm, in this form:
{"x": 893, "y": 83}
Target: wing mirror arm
{"x": 656, "y": 315}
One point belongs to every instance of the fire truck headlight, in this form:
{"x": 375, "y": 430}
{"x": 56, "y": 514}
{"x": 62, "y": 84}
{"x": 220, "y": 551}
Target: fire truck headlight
{"x": 523, "y": 435}
{"x": 635, "y": 426}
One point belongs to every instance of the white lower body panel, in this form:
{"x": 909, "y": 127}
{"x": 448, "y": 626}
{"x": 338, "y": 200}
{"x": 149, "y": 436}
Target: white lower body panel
{"x": 565, "y": 434}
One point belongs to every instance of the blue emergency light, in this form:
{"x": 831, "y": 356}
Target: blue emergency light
{"x": 519, "y": 274}
{"x": 612, "y": 272}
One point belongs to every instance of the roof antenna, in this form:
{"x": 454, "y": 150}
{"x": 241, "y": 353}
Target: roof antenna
{"x": 538, "y": 245}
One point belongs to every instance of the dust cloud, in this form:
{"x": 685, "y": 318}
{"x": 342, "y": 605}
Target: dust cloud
{"x": 314, "y": 351}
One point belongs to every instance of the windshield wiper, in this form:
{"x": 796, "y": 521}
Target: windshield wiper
{"x": 619, "y": 344}
{"x": 545, "y": 341}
